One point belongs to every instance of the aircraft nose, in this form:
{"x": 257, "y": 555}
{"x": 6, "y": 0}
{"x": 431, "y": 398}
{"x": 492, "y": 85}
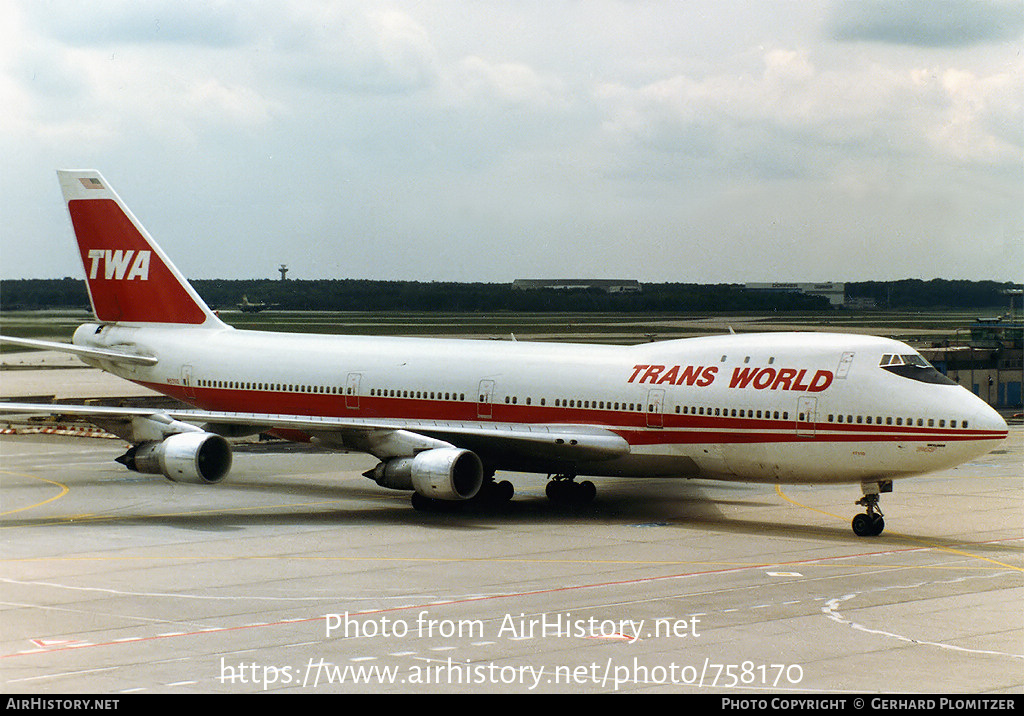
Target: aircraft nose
{"x": 985, "y": 418}
{"x": 997, "y": 423}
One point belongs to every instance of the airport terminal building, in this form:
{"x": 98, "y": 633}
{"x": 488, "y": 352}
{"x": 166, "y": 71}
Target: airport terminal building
{"x": 987, "y": 359}
{"x": 834, "y": 292}
{"x": 579, "y": 284}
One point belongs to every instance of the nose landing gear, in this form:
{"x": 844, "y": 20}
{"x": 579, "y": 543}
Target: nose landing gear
{"x": 871, "y": 522}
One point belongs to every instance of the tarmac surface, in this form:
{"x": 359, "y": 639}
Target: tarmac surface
{"x": 297, "y": 574}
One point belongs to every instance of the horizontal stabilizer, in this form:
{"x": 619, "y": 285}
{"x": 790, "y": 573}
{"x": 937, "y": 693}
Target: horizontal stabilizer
{"x": 81, "y": 351}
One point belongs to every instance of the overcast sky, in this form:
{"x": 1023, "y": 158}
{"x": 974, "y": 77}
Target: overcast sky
{"x": 694, "y": 141}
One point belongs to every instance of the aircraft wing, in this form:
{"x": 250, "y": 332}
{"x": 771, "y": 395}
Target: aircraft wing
{"x": 83, "y": 352}
{"x": 384, "y": 438}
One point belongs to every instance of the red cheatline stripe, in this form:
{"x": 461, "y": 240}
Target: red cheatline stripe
{"x": 677, "y": 429}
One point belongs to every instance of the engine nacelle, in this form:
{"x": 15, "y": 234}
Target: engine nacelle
{"x": 440, "y": 473}
{"x": 198, "y": 458}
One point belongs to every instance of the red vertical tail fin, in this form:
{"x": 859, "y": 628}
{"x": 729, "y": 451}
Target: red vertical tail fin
{"x": 129, "y": 277}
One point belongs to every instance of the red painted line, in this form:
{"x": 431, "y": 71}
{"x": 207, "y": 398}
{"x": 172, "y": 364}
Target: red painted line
{"x": 494, "y": 597}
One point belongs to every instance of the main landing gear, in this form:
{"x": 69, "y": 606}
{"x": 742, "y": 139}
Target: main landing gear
{"x": 495, "y": 493}
{"x": 491, "y": 495}
{"x": 871, "y": 522}
{"x": 563, "y": 489}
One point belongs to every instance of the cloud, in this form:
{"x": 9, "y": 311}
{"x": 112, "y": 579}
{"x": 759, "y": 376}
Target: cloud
{"x": 350, "y": 47}
{"x": 928, "y": 23}
{"x": 411, "y": 140}
{"x": 793, "y": 118}
{"x": 513, "y": 83}
{"x": 976, "y": 118}
{"x": 198, "y": 23}
{"x": 104, "y": 81}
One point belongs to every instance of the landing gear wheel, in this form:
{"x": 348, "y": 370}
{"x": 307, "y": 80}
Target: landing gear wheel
{"x": 493, "y": 493}
{"x": 865, "y": 525}
{"x": 870, "y": 523}
{"x": 555, "y": 490}
{"x": 564, "y": 490}
{"x": 421, "y": 503}
{"x": 505, "y": 490}
{"x": 586, "y": 492}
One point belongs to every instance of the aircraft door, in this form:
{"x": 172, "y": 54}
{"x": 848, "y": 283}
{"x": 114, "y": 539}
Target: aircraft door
{"x": 186, "y": 381}
{"x": 655, "y": 407}
{"x": 352, "y": 391}
{"x": 843, "y": 369}
{"x": 485, "y": 392}
{"x": 806, "y": 416}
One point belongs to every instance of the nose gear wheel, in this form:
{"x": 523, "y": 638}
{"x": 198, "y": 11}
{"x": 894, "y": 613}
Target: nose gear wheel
{"x": 870, "y": 523}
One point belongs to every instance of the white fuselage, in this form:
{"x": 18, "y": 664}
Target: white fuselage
{"x": 776, "y": 407}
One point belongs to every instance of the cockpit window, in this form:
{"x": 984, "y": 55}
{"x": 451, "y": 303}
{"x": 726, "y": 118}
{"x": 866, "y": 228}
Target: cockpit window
{"x": 914, "y": 367}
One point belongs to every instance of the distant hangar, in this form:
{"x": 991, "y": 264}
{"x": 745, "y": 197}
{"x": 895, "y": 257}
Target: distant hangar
{"x": 834, "y": 292}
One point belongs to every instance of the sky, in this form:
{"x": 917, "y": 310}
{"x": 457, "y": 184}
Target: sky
{"x": 705, "y": 141}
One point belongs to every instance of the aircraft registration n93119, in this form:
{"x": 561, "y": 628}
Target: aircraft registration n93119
{"x": 442, "y": 416}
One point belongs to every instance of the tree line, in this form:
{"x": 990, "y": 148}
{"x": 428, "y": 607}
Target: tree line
{"x": 937, "y": 293}
{"x": 365, "y": 295}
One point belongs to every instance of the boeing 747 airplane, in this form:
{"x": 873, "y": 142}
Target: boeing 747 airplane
{"x": 442, "y": 416}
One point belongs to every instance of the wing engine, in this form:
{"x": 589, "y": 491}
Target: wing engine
{"x": 193, "y": 457}
{"x": 440, "y": 473}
